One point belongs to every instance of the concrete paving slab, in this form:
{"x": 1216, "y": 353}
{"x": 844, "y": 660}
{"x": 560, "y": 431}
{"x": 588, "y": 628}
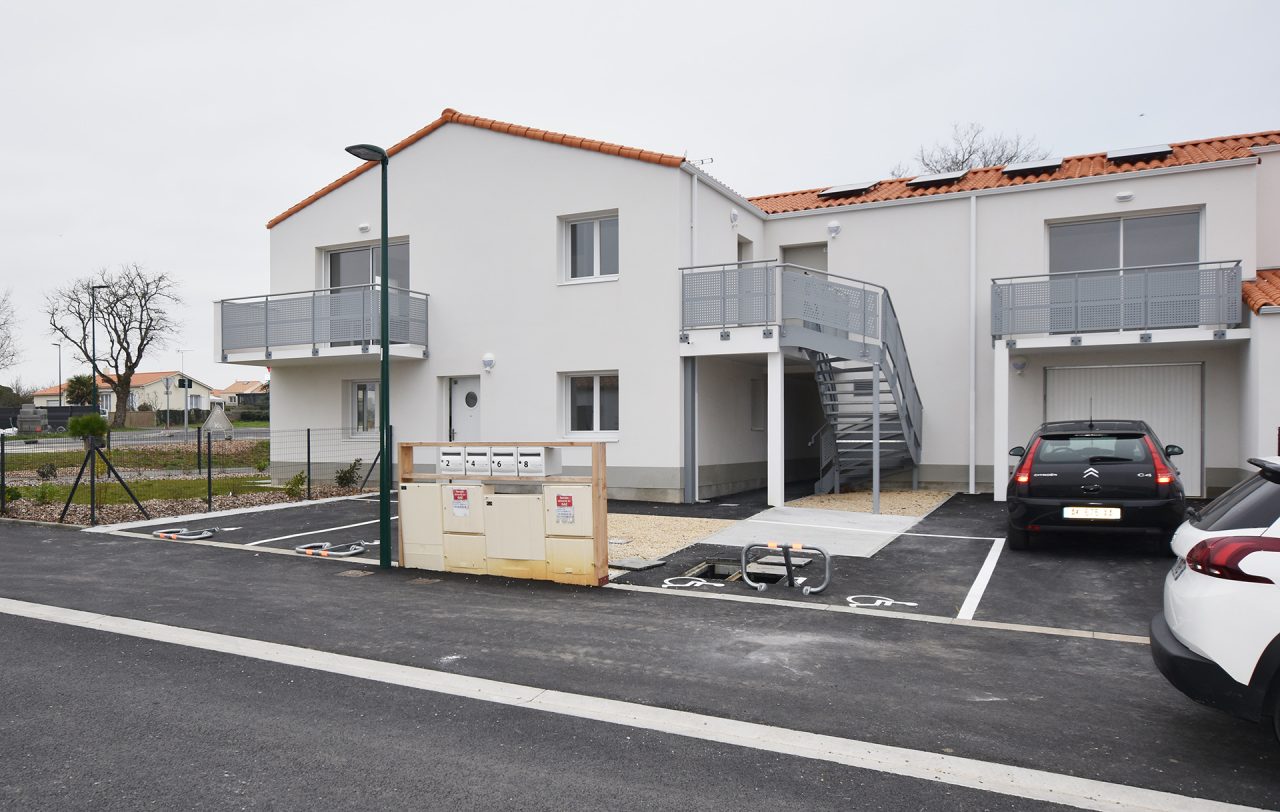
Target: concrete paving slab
{"x": 860, "y": 535}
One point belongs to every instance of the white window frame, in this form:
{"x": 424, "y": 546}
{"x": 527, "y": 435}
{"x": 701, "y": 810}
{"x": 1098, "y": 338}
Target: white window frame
{"x": 353, "y": 412}
{"x": 566, "y": 249}
{"x": 327, "y": 273}
{"x": 566, "y": 389}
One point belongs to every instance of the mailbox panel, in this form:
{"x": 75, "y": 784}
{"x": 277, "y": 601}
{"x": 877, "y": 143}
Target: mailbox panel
{"x": 538, "y": 461}
{"x": 503, "y": 460}
{"x": 452, "y": 461}
{"x": 568, "y": 510}
{"x": 462, "y": 508}
{"x": 479, "y": 462}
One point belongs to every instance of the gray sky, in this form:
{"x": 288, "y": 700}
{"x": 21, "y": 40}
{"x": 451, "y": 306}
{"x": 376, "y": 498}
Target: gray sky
{"x": 168, "y": 133}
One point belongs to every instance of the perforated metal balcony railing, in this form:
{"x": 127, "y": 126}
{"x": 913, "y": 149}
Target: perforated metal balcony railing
{"x": 322, "y": 319}
{"x": 1149, "y": 297}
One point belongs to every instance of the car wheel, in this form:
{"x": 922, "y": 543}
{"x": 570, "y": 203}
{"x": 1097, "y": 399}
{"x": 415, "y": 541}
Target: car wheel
{"x": 1017, "y": 539}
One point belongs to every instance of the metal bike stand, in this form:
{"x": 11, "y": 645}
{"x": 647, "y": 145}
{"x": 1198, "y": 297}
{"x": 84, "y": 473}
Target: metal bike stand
{"x": 326, "y": 549}
{"x": 183, "y": 534}
{"x": 786, "y": 559}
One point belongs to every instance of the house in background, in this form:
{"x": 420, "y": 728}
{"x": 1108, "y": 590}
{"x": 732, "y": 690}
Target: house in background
{"x": 250, "y": 393}
{"x": 148, "y": 388}
{"x": 547, "y": 286}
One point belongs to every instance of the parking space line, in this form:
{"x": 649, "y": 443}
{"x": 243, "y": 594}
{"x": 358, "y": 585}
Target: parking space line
{"x": 885, "y": 613}
{"x": 970, "y": 605}
{"x": 871, "y": 530}
{"x": 233, "y": 545}
{"x": 313, "y": 532}
{"x": 1003, "y": 779}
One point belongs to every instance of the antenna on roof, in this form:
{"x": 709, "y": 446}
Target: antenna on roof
{"x": 702, "y": 161}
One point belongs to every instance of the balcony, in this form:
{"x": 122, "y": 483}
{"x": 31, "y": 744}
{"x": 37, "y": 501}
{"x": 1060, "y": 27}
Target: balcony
{"x": 329, "y": 323}
{"x": 1151, "y": 297}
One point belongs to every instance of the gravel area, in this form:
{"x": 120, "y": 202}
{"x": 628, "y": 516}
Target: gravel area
{"x": 894, "y": 503}
{"x": 656, "y": 536}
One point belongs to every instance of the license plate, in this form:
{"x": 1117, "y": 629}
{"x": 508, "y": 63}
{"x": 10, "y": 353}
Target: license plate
{"x": 1091, "y": 513}
{"x": 1179, "y": 567}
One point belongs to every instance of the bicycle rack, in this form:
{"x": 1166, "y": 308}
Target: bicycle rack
{"x": 786, "y": 551}
{"x": 326, "y": 549}
{"x": 183, "y": 534}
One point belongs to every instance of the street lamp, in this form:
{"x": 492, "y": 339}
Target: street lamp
{"x": 368, "y": 152}
{"x": 93, "y": 320}
{"x": 61, "y": 383}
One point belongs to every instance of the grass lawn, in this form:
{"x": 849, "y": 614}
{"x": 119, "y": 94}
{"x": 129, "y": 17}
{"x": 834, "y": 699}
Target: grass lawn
{"x": 251, "y": 424}
{"x": 110, "y": 493}
{"x": 167, "y": 457}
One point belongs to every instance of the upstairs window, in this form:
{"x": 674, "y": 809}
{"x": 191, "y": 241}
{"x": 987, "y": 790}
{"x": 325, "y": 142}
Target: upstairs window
{"x": 363, "y": 266}
{"x": 1125, "y": 242}
{"x": 591, "y": 248}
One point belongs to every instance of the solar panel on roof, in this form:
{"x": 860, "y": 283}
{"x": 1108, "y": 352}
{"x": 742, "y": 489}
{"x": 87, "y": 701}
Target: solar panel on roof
{"x": 941, "y": 177}
{"x": 1041, "y": 165}
{"x": 1137, "y": 153}
{"x": 848, "y": 190}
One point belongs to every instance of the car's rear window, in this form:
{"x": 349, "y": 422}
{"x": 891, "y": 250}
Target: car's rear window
{"x": 1252, "y": 503}
{"x": 1092, "y": 448}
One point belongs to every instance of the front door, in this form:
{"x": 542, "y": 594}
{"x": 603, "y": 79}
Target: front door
{"x": 464, "y": 409}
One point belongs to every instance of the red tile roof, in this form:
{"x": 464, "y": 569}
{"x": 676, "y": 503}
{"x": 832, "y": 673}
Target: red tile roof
{"x": 139, "y": 379}
{"x": 240, "y": 388}
{"x": 992, "y": 177}
{"x": 1263, "y": 291}
{"x": 451, "y": 116}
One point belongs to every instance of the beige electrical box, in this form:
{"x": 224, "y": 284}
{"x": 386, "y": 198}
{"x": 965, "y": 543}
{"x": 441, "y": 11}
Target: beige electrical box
{"x": 421, "y": 542}
{"x": 517, "y": 568}
{"x": 571, "y": 561}
{"x": 462, "y": 507}
{"x": 568, "y": 510}
{"x": 464, "y": 553}
{"x": 502, "y": 460}
{"x": 513, "y": 526}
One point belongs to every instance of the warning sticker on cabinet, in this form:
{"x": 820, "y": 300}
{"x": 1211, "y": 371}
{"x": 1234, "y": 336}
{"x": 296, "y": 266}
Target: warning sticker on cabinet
{"x": 461, "y": 503}
{"x": 564, "y": 508}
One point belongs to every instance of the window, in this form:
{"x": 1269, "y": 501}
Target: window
{"x": 364, "y": 406}
{"x": 363, "y": 266}
{"x": 592, "y": 402}
{"x": 1255, "y": 502}
{"x": 591, "y": 248}
{"x": 1125, "y": 242}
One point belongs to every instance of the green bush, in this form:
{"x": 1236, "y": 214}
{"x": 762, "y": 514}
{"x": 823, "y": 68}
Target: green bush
{"x": 47, "y": 471}
{"x": 347, "y": 477}
{"x": 45, "y": 493}
{"x": 254, "y": 415}
{"x": 293, "y": 487}
{"x": 12, "y": 494}
{"x": 87, "y": 425}
{"x": 146, "y": 407}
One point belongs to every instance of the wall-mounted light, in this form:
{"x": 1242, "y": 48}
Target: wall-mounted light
{"x": 1124, "y": 197}
{"x": 1018, "y": 363}
{"x": 363, "y": 228}
{"x": 733, "y": 218}
{"x": 833, "y": 229}
{"x": 487, "y": 361}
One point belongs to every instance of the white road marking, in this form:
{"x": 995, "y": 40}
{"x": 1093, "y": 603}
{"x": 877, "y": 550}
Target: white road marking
{"x": 312, "y": 532}
{"x": 1018, "y": 782}
{"x": 871, "y": 530}
{"x": 970, "y": 605}
{"x": 918, "y": 617}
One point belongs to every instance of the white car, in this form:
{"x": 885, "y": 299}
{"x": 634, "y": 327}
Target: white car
{"x": 1218, "y": 638}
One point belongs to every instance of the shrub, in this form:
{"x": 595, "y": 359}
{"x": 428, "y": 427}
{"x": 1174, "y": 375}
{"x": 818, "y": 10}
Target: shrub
{"x": 87, "y": 425}
{"x": 45, "y": 493}
{"x": 347, "y": 477}
{"x": 12, "y": 494}
{"x": 249, "y": 414}
{"x": 261, "y": 466}
{"x": 146, "y": 407}
{"x": 293, "y": 487}
{"x": 47, "y": 471}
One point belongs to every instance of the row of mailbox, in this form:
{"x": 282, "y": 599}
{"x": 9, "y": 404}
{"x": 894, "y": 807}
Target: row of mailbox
{"x": 499, "y": 461}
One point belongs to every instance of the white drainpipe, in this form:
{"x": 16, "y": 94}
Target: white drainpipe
{"x": 973, "y": 343}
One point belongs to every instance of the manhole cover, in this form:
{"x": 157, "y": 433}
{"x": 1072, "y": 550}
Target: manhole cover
{"x": 354, "y": 573}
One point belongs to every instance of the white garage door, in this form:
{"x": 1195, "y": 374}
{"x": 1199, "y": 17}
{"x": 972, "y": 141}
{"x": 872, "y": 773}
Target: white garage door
{"x": 1167, "y": 396}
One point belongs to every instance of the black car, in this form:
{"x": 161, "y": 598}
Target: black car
{"x": 1103, "y": 477}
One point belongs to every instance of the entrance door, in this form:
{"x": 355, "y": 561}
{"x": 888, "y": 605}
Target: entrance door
{"x": 464, "y": 409}
{"x": 1167, "y": 396}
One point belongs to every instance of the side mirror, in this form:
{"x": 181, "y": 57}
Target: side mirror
{"x": 1017, "y": 451}
{"x": 1173, "y": 450}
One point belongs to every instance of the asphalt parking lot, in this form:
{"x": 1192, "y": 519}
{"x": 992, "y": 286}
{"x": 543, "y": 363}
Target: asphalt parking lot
{"x": 1029, "y": 691}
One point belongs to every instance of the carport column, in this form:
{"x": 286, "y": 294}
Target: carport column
{"x": 1000, "y": 417}
{"x": 776, "y": 449}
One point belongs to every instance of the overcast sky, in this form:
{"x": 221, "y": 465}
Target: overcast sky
{"x": 168, "y": 133}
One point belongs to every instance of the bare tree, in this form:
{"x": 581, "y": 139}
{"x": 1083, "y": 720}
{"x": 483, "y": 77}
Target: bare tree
{"x": 970, "y": 147}
{"x": 132, "y": 314}
{"x": 8, "y": 328}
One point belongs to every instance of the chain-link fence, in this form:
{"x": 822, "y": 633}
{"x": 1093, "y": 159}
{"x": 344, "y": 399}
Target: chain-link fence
{"x": 146, "y": 474}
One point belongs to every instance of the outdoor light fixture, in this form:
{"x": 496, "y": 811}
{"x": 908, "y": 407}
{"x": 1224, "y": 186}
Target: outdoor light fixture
{"x": 487, "y": 362}
{"x": 833, "y": 229}
{"x": 363, "y": 228}
{"x": 369, "y": 152}
{"x": 1124, "y": 197}
{"x": 1019, "y": 363}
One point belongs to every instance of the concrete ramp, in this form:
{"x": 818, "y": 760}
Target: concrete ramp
{"x": 838, "y": 532}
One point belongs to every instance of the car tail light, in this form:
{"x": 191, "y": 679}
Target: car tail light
{"x": 1164, "y": 475}
{"x": 1221, "y": 557}
{"x": 1023, "y": 475}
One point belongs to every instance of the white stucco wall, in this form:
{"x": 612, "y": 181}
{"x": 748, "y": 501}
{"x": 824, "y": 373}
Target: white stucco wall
{"x": 1268, "y": 218}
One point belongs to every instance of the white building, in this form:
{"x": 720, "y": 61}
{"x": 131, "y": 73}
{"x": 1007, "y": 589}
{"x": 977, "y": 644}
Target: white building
{"x": 568, "y": 263}
{"x": 158, "y": 390}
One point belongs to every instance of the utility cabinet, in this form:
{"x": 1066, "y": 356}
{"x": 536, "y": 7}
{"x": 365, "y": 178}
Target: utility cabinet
{"x": 462, "y": 507}
{"x": 421, "y": 536}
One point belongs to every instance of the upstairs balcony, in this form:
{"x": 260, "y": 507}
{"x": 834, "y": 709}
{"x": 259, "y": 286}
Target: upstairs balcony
{"x": 1150, "y": 297}
{"x": 329, "y": 323}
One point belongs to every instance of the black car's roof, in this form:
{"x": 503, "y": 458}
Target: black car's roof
{"x": 1068, "y": 426}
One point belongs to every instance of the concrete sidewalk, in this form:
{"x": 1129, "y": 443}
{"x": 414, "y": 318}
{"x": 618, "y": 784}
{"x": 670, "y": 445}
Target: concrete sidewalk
{"x": 839, "y": 532}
